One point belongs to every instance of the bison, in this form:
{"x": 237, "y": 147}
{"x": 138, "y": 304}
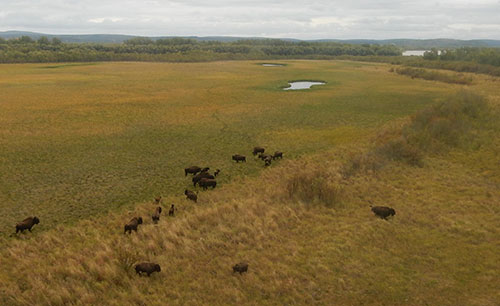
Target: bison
{"x": 192, "y": 170}
{"x": 171, "y": 211}
{"x": 216, "y": 172}
{"x": 240, "y": 267}
{"x": 26, "y": 224}
{"x": 383, "y": 211}
{"x": 156, "y": 215}
{"x": 147, "y": 267}
{"x": 206, "y": 182}
{"x": 201, "y": 175}
{"x": 267, "y": 160}
{"x": 205, "y": 169}
{"x": 277, "y": 155}
{"x": 190, "y": 195}
{"x": 132, "y": 225}
{"x": 264, "y": 156}
{"x": 239, "y": 158}
{"x": 257, "y": 150}
{"x": 158, "y": 200}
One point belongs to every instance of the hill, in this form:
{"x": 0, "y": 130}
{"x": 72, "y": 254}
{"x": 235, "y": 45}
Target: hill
{"x": 404, "y": 43}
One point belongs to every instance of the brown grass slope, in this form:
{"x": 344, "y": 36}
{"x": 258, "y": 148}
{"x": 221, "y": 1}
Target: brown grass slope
{"x": 304, "y": 227}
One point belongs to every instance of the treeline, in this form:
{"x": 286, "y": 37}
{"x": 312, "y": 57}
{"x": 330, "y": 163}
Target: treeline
{"x": 27, "y": 50}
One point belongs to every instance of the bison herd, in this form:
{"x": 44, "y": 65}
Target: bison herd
{"x": 203, "y": 179}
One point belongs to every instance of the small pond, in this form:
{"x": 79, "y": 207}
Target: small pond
{"x": 302, "y": 85}
{"x": 273, "y": 65}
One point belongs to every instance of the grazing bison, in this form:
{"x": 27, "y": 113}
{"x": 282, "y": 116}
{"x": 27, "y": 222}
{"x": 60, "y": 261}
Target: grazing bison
{"x": 132, "y": 225}
{"x": 205, "y": 169}
{"x": 147, "y": 267}
{"x": 156, "y": 215}
{"x": 201, "y": 175}
{"x": 206, "y": 182}
{"x": 27, "y": 224}
{"x": 239, "y": 158}
{"x": 190, "y": 195}
{"x": 277, "y": 155}
{"x": 192, "y": 170}
{"x": 171, "y": 211}
{"x": 383, "y": 211}
{"x": 216, "y": 172}
{"x": 264, "y": 156}
{"x": 158, "y": 200}
{"x": 267, "y": 160}
{"x": 257, "y": 150}
{"x": 240, "y": 267}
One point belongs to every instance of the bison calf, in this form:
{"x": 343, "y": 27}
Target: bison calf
{"x": 257, "y": 150}
{"x": 192, "y": 170}
{"x": 132, "y": 225}
{"x": 147, "y": 267}
{"x": 190, "y": 195}
{"x": 156, "y": 215}
{"x": 383, "y": 211}
{"x": 239, "y": 158}
{"x": 171, "y": 211}
{"x": 240, "y": 267}
{"x": 26, "y": 224}
{"x": 206, "y": 182}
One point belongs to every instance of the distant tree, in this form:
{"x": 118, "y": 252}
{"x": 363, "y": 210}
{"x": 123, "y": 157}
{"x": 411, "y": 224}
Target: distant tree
{"x": 56, "y": 41}
{"x": 2, "y": 41}
{"x": 25, "y": 39}
{"x": 43, "y": 40}
{"x": 139, "y": 41}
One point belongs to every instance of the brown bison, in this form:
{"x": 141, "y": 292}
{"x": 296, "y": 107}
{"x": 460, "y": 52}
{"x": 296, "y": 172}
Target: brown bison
{"x": 267, "y": 160}
{"x": 239, "y": 158}
{"x": 206, "y": 182}
{"x": 27, "y": 224}
{"x": 383, "y": 211}
{"x": 190, "y": 195}
{"x": 171, "y": 211}
{"x": 240, "y": 267}
{"x": 192, "y": 170}
{"x": 200, "y": 176}
{"x": 132, "y": 225}
{"x": 257, "y": 150}
{"x": 277, "y": 155}
{"x": 216, "y": 172}
{"x": 156, "y": 215}
{"x": 205, "y": 169}
{"x": 264, "y": 156}
{"x": 147, "y": 267}
{"x": 158, "y": 200}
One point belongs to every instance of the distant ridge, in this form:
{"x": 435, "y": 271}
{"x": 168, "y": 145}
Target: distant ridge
{"x": 404, "y": 43}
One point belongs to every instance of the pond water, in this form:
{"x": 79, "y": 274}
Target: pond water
{"x": 302, "y": 85}
{"x": 273, "y": 65}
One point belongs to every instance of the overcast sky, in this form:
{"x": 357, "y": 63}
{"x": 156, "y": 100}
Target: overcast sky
{"x": 461, "y": 19}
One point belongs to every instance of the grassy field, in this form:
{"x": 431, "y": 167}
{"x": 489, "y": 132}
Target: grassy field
{"x": 92, "y": 145}
{"x": 79, "y": 140}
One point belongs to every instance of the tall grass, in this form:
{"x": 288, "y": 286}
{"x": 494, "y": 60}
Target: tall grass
{"x": 434, "y": 75}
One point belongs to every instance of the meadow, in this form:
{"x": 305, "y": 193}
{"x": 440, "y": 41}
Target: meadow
{"x": 86, "y": 147}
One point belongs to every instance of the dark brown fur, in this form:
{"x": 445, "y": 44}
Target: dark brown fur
{"x": 132, "y": 225}
{"x": 216, "y": 172}
{"x": 277, "y": 155}
{"x": 383, "y": 211}
{"x": 206, "y": 182}
{"x": 257, "y": 150}
{"x": 171, "y": 211}
{"x": 201, "y": 175}
{"x": 267, "y": 160}
{"x": 192, "y": 170}
{"x": 156, "y": 215}
{"x": 240, "y": 267}
{"x": 147, "y": 267}
{"x": 190, "y": 195}
{"x": 239, "y": 158}
{"x": 27, "y": 224}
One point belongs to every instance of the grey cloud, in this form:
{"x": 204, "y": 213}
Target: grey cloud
{"x": 462, "y": 19}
